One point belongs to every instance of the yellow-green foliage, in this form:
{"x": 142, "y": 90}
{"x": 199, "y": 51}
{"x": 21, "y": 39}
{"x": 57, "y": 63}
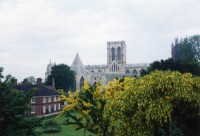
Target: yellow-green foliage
{"x": 149, "y": 102}
{"x": 134, "y": 106}
{"x": 89, "y": 104}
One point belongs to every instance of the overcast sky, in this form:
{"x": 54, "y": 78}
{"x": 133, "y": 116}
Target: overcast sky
{"x": 34, "y": 31}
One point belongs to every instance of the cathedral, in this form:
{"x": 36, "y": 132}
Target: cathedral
{"x": 116, "y": 67}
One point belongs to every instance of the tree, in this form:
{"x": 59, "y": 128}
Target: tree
{"x": 85, "y": 110}
{"x": 62, "y": 75}
{"x": 170, "y": 64}
{"x": 158, "y": 103}
{"x": 1, "y": 76}
{"x": 14, "y": 103}
{"x": 31, "y": 80}
{"x": 143, "y": 72}
{"x": 187, "y": 52}
{"x": 194, "y": 41}
{"x": 190, "y": 49}
{"x": 161, "y": 103}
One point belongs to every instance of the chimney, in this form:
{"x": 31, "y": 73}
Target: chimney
{"x": 25, "y": 82}
{"x": 53, "y": 82}
{"x": 39, "y": 81}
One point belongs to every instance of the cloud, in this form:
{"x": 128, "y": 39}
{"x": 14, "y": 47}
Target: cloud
{"x": 33, "y": 32}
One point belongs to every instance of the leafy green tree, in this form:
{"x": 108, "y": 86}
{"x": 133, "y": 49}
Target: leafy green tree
{"x": 61, "y": 92}
{"x": 63, "y": 76}
{"x": 194, "y": 41}
{"x": 187, "y": 52}
{"x": 170, "y": 64}
{"x": 161, "y": 103}
{"x": 143, "y": 72}
{"x": 85, "y": 110}
{"x": 190, "y": 49}
{"x": 164, "y": 103}
{"x": 1, "y": 76}
{"x": 14, "y": 103}
{"x": 31, "y": 80}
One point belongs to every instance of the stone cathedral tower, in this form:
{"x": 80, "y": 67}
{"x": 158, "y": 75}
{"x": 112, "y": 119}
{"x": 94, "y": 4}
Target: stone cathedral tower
{"x": 116, "y": 56}
{"x": 116, "y": 67}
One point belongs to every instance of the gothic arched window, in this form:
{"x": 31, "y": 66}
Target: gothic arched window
{"x": 127, "y": 71}
{"x": 113, "y": 53}
{"x": 134, "y": 71}
{"x": 119, "y": 53}
{"x": 81, "y": 82}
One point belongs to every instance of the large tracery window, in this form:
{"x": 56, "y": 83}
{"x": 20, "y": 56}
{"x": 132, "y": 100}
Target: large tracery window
{"x": 113, "y": 54}
{"x": 134, "y": 71}
{"x": 119, "y": 53}
{"x": 127, "y": 71}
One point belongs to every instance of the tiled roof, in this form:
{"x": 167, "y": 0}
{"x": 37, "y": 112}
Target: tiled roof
{"x": 41, "y": 90}
{"x": 77, "y": 65}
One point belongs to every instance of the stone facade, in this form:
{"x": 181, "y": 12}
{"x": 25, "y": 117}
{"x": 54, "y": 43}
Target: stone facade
{"x": 116, "y": 56}
{"x": 49, "y": 66}
{"x": 116, "y": 66}
{"x": 176, "y": 50}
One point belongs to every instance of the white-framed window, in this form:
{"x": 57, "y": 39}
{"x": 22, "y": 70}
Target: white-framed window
{"x": 49, "y": 98}
{"x": 32, "y": 109}
{"x": 58, "y": 106}
{"x": 54, "y": 98}
{"x": 55, "y": 108}
{"x": 49, "y": 108}
{"x": 33, "y": 100}
{"x": 44, "y": 108}
{"x": 44, "y": 99}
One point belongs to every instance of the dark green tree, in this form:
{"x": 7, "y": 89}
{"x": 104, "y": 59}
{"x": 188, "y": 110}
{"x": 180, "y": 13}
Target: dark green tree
{"x": 1, "y": 76}
{"x": 14, "y": 103}
{"x": 194, "y": 41}
{"x": 187, "y": 52}
{"x": 190, "y": 49}
{"x": 143, "y": 72}
{"x": 63, "y": 77}
{"x": 31, "y": 80}
{"x": 171, "y": 65}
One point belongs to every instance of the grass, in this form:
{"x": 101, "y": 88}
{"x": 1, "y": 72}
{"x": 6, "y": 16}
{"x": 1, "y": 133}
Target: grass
{"x": 66, "y": 130}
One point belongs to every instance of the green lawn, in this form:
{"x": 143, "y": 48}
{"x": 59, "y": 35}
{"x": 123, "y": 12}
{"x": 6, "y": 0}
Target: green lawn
{"x": 65, "y": 130}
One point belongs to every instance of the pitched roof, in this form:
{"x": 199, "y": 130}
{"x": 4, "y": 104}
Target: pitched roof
{"x": 77, "y": 65}
{"x": 41, "y": 90}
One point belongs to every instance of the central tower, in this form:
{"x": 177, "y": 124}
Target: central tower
{"x": 116, "y": 55}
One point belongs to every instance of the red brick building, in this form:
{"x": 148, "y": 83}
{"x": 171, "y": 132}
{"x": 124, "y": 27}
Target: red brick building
{"x": 44, "y": 101}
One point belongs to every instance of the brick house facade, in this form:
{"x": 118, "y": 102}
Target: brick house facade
{"x": 44, "y": 100}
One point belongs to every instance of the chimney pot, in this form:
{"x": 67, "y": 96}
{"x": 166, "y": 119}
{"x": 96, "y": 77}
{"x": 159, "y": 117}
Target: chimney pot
{"x": 39, "y": 81}
{"x": 53, "y": 82}
{"x": 25, "y": 82}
